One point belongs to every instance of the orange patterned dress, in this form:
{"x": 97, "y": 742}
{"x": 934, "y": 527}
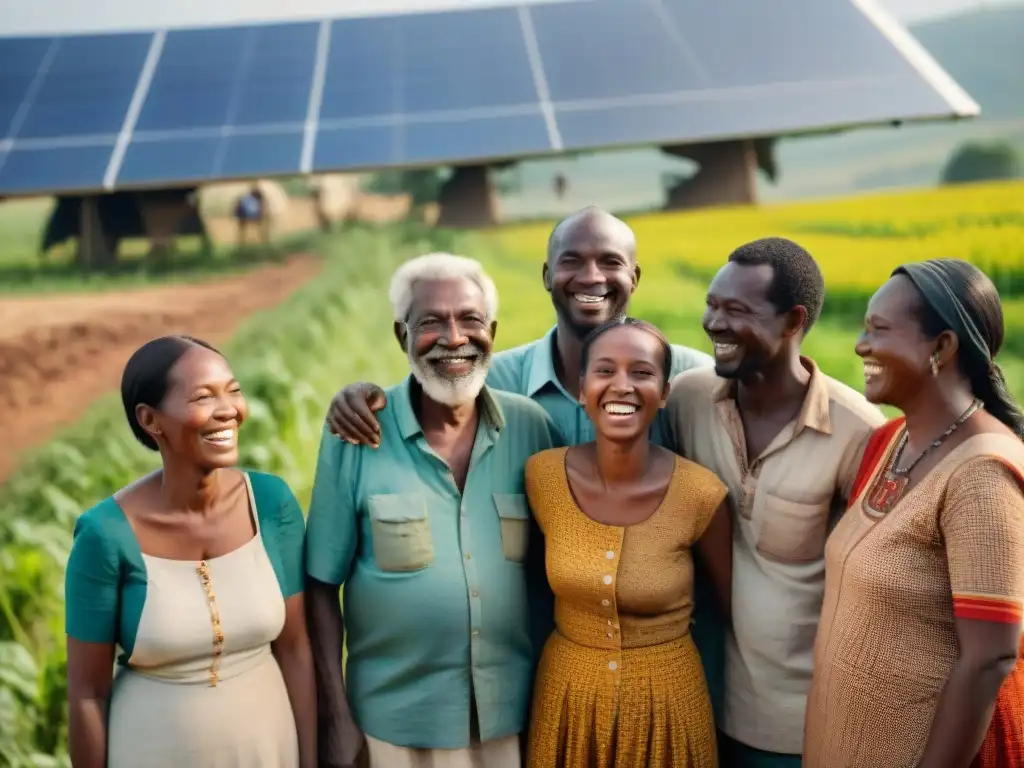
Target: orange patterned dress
{"x": 952, "y": 547}
{"x": 620, "y": 683}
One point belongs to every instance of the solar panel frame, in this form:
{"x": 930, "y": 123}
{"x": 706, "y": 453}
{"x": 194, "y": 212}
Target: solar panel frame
{"x": 535, "y": 110}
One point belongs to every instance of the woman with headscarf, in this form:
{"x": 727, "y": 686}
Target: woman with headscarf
{"x": 193, "y": 576}
{"x": 916, "y": 659}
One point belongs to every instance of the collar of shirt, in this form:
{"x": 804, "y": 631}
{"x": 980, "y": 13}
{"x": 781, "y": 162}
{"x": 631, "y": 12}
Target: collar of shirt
{"x": 541, "y": 366}
{"x": 405, "y": 416}
{"x": 814, "y": 414}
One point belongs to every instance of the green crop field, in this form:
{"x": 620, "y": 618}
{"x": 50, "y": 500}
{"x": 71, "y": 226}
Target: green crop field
{"x": 338, "y": 329}
{"x": 24, "y": 270}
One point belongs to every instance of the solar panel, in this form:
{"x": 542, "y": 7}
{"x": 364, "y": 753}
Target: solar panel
{"x": 72, "y": 95}
{"x": 27, "y": 171}
{"x": 435, "y": 86}
{"x": 356, "y": 147}
{"x": 224, "y": 78}
{"x": 187, "y": 105}
{"x": 628, "y": 51}
{"x": 223, "y": 103}
{"x": 454, "y": 62}
{"x": 20, "y": 61}
{"x": 495, "y": 136}
{"x": 690, "y": 70}
{"x": 150, "y": 162}
{"x": 85, "y": 86}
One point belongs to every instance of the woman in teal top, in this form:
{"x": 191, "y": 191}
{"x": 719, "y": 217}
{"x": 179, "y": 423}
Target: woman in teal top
{"x": 193, "y": 575}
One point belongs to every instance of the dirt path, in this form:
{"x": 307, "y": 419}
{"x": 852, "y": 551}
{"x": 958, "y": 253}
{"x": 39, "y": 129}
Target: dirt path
{"x": 58, "y": 354}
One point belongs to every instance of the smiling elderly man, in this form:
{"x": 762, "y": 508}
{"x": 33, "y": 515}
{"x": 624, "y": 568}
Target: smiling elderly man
{"x": 430, "y": 534}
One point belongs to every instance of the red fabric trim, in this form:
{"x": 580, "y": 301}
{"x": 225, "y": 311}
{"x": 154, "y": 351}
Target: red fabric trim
{"x": 874, "y": 452}
{"x": 1004, "y": 742}
{"x": 982, "y": 609}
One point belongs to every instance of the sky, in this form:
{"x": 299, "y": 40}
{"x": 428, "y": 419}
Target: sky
{"x": 56, "y": 16}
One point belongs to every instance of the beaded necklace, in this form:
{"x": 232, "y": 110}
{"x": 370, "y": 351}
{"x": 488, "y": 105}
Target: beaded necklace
{"x": 889, "y": 491}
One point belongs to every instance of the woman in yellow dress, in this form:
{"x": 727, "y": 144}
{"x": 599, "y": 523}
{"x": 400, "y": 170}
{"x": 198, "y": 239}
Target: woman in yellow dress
{"x": 620, "y": 683}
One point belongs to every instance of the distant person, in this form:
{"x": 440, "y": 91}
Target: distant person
{"x": 195, "y": 572}
{"x": 620, "y": 682}
{"x": 561, "y": 185}
{"x": 917, "y": 661}
{"x": 250, "y": 212}
{"x": 590, "y": 272}
{"x": 430, "y": 537}
{"x": 784, "y": 438}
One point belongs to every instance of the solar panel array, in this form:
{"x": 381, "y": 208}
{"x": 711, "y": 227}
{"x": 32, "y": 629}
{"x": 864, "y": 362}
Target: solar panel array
{"x": 182, "y": 106}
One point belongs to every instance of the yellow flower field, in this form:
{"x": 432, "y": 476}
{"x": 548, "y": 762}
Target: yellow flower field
{"x": 857, "y": 241}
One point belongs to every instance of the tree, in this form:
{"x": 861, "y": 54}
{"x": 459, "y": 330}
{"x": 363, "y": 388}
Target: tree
{"x": 975, "y": 161}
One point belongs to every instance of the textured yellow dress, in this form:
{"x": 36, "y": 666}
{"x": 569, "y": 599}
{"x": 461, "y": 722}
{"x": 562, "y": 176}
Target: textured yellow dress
{"x": 620, "y": 683}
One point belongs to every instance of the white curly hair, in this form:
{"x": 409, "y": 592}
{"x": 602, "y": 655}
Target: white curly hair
{"x": 439, "y": 266}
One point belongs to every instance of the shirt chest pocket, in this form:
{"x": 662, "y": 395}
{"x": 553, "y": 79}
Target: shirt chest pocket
{"x": 514, "y": 515}
{"x": 401, "y": 531}
{"x": 792, "y": 531}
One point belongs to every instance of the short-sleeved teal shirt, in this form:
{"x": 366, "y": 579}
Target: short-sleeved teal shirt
{"x": 530, "y": 370}
{"x": 105, "y": 580}
{"x": 439, "y": 585}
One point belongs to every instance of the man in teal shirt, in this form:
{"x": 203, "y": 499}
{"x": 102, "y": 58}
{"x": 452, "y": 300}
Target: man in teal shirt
{"x": 431, "y": 537}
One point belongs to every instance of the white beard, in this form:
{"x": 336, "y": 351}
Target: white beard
{"x": 450, "y": 391}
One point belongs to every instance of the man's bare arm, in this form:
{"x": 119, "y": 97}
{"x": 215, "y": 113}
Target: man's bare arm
{"x": 340, "y": 740}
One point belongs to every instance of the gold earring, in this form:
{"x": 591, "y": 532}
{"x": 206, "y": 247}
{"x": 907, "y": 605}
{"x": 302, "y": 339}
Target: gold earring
{"x": 935, "y": 365}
